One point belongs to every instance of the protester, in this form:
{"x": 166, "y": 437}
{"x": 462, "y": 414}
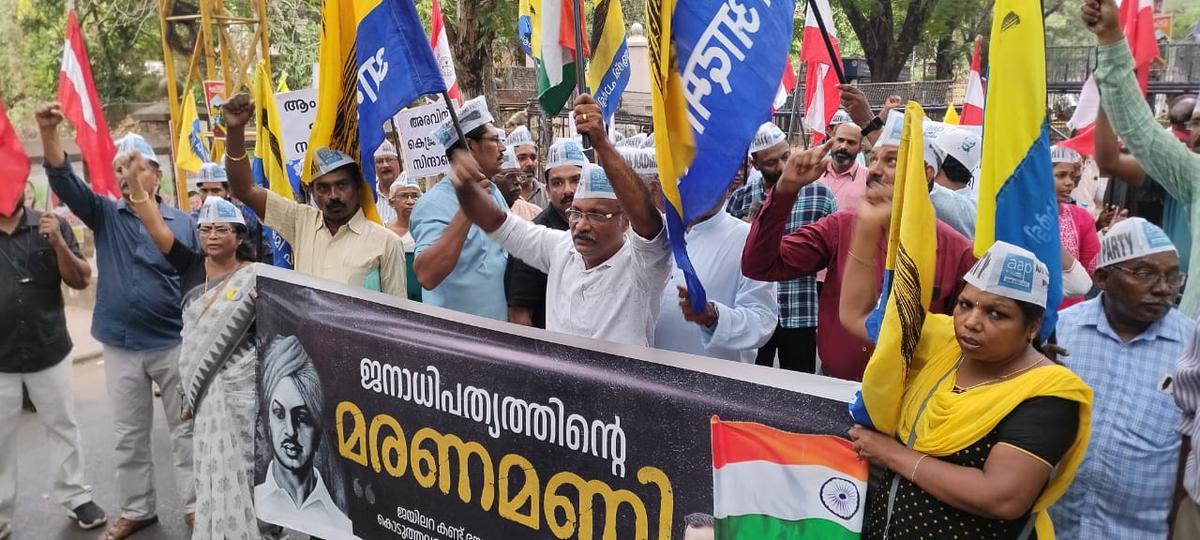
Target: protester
{"x": 38, "y": 254}
{"x": 741, "y": 314}
{"x": 845, "y": 177}
{"x": 1185, "y": 388}
{"x": 773, "y": 253}
{"x": 509, "y": 181}
{"x": 795, "y": 338}
{"x": 1164, "y": 158}
{"x": 602, "y": 284}
{"x": 956, "y": 208}
{"x": 333, "y": 241}
{"x": 1123, "y": 344}
{"x": 403, "y": 197}
{"x": 212, "y": 181}
{"x": 458, "y": 266}
{"x": 1179, "y": 112}
{"x": 520, "y": 144}
{"x": 1077, "y": 230}
{"x": 137, "y": 320}
{"x": 387, "y": 171}
{"x": 524, "y": 285}
{"x": 698, "y": 527}
{"x": 961, "y": 150}
{"x": 992, "y": 432}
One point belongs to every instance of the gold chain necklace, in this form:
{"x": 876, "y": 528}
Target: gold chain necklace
{"x": 1002, "y": 377}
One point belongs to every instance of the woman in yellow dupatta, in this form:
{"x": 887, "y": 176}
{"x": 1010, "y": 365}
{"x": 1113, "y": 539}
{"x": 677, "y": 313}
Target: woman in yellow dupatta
{"x": 1000, "y": 429}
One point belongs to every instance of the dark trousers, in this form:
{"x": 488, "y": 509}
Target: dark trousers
{"x": 797, "y": 349}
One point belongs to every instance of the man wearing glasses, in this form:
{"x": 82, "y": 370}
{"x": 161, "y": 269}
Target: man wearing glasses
{"x": 1124, "y": 344}
{"x": 601, "y": 283}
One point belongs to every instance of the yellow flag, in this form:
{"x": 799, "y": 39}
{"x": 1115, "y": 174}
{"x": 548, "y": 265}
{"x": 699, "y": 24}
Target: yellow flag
{"x": 283, "y": 85}
{"x": 268, "y": 147}
{"x": 907, "y": 280}
{"x": 951, "y": 115}
{"x": 676, "y": 148}
{"x": 190, "y": 150}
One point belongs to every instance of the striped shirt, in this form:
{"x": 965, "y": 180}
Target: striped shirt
{"x": 1186, "y": 390}
{"x": 1125, "y": 487}
{"x": 797, "y": 297}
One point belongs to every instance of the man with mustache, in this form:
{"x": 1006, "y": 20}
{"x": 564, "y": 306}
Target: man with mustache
{"x": 520, "y": 145}
{"x": 795, "y": 337}
{"x": 602, "y": 283}
{"x": 387, "y": 170}
{"x": 1123, "y": 344}
{"x": 335, "y": 240}
{"x": 845, "y": 177}
{"x": 458, "y": 266}
{"x": 524, "y": 285}
{"x": 509, "y": 181}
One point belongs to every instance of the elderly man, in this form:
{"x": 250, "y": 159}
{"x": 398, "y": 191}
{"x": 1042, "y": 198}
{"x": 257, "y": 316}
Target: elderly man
{"x": 741, "y": 313}
{"x": 212, "y": 181}
{"x": 602, "y": 284}
{"x": 335, "y": 240}
{"x": 773, "y": 253}
{"x": 137, "y": 319}
{"x": 795, "y": 338}
{"x": 524, "y": 285}
{"x": 1170, "y": 162}
{"x": 845, "y": 176}
{"x": 520, "y": 145}
{"x": 509, "y": 181}
{"x": 459, "y": 267}
{"x": 1123, "y": 344}
{"x": 387, "y": 170}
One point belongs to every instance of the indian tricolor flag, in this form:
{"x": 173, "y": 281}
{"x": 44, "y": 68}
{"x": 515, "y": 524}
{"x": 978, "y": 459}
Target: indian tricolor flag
{"x": 773, "y": 484}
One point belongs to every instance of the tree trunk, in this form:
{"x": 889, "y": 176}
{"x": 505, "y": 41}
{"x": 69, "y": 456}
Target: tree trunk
{"x": 470, "y": 43}
{"x": 887, "y": 47}
{"x": 945, "y": 57}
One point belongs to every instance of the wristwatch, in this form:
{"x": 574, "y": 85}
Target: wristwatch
{"x": 875, "y": 125}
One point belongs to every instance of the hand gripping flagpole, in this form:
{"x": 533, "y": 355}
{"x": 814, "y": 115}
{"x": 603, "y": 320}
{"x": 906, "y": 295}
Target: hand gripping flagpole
{"x": 833, "y": 57}
{"x": 580, "y": 58}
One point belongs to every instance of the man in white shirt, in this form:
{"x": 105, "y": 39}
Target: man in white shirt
{"x": 601, "y": 283}
{"x": 741, "y": 314}
{"x": 387, "y": 170}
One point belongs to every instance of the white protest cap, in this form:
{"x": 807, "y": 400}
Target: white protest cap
{"x": 594, "y": 184}
{"x": 768, "y": 135}
{"x": 840, "y": 117}
{"x": 648, "y": 142}
{"x": 520, "y": 137}
{"x": 132, "y": 142}
{"x": 218, "y": 210}
{"x": 386, "y": 149}
{"x": 1132, "y": 238}
{"x": 473, "y": 114}
{"x": 643, "y": 161}
{"x": 892, "y": 130}
{"x": 328, "y": 160}
{"x": 211, "y": 172}
{"x": 963, "y": 145}
{"x": 402, "y": 183}
{"x": 509, "y": 161}
{"x": 565, "y": 152}
{"x": 1012, "y": 272}
{"x": 1062, "y": 154}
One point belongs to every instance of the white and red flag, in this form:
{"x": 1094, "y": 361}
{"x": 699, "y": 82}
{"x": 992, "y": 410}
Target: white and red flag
{"x": 81, "y": 106}
{"x": 441, "y": 52}
{"x": 972, "y": 113}
{"x": 821, "y": 96}
{"x": 786, "y": 85}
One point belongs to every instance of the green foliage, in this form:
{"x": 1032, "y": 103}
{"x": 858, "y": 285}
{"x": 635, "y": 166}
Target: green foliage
{"x": 295, "y": 35}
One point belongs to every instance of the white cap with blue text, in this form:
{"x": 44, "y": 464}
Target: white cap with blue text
{"x": 840, "y": 117}
{"x": 1130, "y": 239}
{"x": 218, "y": 210}
{"x": 893, "y": 130}
{"x": 520, "y": 137}
{"x": 386, "y": 149}
{"x": 643, "y": 161}
{"x": 1012, "y": 272}
{"x": 328, "y": 160}
{"x": 593, "y": 184}
{"x": 509, "y": 161}
{"x": 211, "y": 172}
{"x": 963, "y": 145}
{"x": 565, "y": 152}
{"x": 768, "y": 135}
{"x": 1062, "y": 154}
{"x": 473, "y": 114}
{"x": 131, "y": 143}
{"x": 403, "y": 182}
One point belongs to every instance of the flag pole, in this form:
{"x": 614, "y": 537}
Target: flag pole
{"x": 795, "y": 105}
{"x": 833, "y": 57}
{"x": 454, "y": 117}
{"x": 580, "y": 58}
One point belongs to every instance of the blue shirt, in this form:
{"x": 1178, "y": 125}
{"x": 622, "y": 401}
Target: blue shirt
{"x": 476, "y": 285}
{"x": 1125, "y": 486}
{"x": 137, "y": 296}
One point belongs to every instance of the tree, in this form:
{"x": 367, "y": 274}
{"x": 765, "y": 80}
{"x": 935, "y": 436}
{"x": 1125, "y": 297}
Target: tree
{"x": 482, "y": 33}
{"x": 887, "y": 39}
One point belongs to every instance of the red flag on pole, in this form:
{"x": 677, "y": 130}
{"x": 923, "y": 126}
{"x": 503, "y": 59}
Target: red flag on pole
{"x": 81, "y": 106}
{"x": 821, "y": 96}
{"x": 441, "y": 51}
{"x": 786, "y": 85}
{"x": 14, "y": 166}
{"x": 972, "y": 113}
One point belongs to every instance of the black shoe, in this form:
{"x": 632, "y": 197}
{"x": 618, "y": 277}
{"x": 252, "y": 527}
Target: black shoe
{"x": 89, "y": 515}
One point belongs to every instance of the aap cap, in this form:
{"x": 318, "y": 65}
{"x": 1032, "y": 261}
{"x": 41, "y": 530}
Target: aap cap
{"x": 894, "y": 129}
{"x": 218, "y": 210}
{"x": 401, "y": 183}
{"x": 211, "y": 172}
{"x": 768, "y": 135}
{"x": 520, "y": 137}
{"x": 565, "y": 152}
{"x": 840, "y": 117}
{"x": 473, "y": 114}
{"x": 963, "y": 145}
{"x": 1012, "y": 272}
{"x": 386, "y": 149}
{"x": 328, "y": 160}
{"x": 593, "y": 184}
{"x": 509, "y": 161}
{"x": 1132, "y": 238}
{"x": 643, "y": 161}
{"x": 1062, "y": 154}
{"x": 132, "y": 142}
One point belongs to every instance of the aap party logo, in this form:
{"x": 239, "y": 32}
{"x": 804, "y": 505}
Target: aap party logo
{"x": 1017, "y": 273}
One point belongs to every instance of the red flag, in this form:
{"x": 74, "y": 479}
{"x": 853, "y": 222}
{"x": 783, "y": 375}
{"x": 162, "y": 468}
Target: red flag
{"x": 14, "y": 166}
{"x": 821, "y": 95}
{"x": 972, "y": 113}
{"x": 441, "y": 51}
{"x": 1137, "y": 22}
{"x": 786, "y": 85}
{"x": 81, "y": 106}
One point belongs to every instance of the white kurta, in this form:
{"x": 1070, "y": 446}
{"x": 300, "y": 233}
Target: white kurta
{"x": 616, "y": 301}
{"x": 747, "y": 310}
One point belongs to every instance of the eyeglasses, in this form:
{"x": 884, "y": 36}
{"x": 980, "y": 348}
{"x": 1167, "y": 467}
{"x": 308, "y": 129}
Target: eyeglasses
{"x": 215, "y": 231}
{"x": 399, "y": 196}
{"x": 1150, "y": 277}
{"x": 594, "y": 218}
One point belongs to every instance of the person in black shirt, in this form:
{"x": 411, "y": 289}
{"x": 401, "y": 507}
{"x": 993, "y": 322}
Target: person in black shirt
{"x": 38, "y": 253}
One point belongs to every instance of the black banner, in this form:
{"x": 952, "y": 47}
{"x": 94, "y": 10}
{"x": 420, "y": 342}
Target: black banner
{"x": 427, "y": 424}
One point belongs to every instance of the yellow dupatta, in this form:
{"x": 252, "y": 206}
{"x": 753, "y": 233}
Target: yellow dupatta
{"x": 953, "y": 421}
